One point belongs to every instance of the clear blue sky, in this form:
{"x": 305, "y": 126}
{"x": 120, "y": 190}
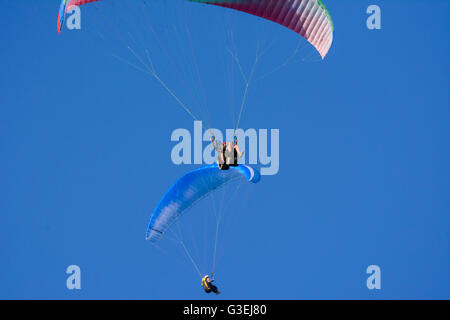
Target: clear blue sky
{"x": 364, "y": 153}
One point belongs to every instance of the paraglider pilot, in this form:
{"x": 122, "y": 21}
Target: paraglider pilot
{"x": 228, "y": 153}
{"x": 208, "y": 286}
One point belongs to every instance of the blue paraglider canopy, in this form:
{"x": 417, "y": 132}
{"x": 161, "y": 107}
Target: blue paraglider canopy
{"x": 188, "y": 190}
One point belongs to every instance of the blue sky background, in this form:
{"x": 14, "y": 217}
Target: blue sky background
{"x": 364, "y": 153}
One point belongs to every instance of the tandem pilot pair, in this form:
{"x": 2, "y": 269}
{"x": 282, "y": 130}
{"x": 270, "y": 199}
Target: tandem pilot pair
{"x": 228, "y": 153}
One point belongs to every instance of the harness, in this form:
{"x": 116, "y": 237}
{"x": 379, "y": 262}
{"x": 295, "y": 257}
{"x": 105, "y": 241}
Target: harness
{"x": 235, "y": 158}
{"x": 205, "y": 284}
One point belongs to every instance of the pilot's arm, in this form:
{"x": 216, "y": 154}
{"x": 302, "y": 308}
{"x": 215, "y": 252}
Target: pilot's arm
{"x": 240, "y": 154}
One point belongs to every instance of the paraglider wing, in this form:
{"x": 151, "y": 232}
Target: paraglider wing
{"x": 65, "y": 7}
{"x": 309, "y": 18}
{"x": 188, "y": 190}
{"x": 61, "y": 15}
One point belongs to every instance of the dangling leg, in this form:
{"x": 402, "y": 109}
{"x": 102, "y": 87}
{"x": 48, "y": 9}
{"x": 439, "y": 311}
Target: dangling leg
{"x": 214, "y": 289}
{"x": 223, "y": 166}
